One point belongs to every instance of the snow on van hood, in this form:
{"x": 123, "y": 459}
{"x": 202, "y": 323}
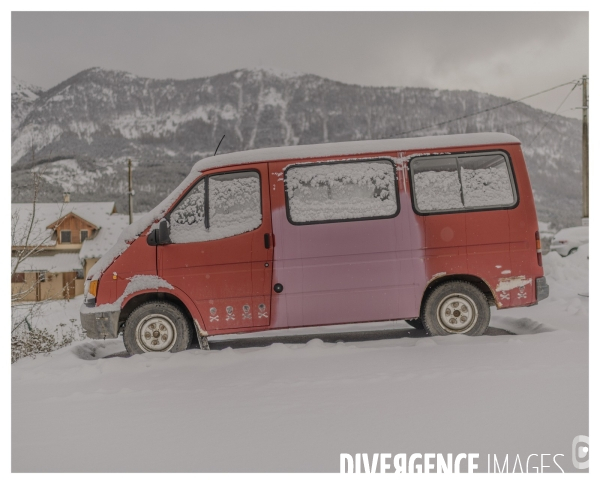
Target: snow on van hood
{"x": 348, "y": 148}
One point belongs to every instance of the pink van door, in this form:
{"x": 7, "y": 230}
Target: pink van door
{"x": 221, "y": 251}
{"x": 337, "y": 239}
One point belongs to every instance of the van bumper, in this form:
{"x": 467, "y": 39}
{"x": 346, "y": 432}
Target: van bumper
{"x": 542, "y": 290}
{"x": 99, "y": 324}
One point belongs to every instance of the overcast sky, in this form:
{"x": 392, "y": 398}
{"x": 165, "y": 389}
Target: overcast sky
{"x": 507, "y": 54}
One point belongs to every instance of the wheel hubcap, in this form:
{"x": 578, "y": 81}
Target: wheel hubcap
{"x": 457, "y": 313}
{"x": 156, "y": 333}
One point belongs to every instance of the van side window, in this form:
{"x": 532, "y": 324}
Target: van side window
{"x": 486, "y": 181}
{"x": 461, "y": 183}
{"x": 335, "y": 192}
{"x": 436, "y": 184}
{"x": 218, "y": 206}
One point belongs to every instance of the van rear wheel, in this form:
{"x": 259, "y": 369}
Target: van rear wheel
{"x": 456, "y": 307}
{"x": 157, "y": 327}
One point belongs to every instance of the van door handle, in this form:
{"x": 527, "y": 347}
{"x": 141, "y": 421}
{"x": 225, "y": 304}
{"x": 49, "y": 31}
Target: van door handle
{"x": 267, "y": 241}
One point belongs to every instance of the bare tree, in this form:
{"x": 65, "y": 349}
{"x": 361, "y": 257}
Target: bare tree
{"x": 28, "y": 240}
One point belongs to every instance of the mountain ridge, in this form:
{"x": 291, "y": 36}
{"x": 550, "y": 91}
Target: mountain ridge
{"x": 23, "y": 96}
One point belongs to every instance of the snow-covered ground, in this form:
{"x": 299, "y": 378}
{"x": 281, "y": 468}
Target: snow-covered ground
{"x": 296, "y": 407}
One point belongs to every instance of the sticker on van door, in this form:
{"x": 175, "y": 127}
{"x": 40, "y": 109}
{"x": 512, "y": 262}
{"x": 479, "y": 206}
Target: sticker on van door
{"x": 230, "y": 315}
{"x": 262, "y": 311}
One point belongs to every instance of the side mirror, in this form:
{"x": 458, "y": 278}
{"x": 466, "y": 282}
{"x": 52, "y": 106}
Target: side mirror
{"x": 163, "y": 233}
{"x": 152, "y": 238}
{"x": 159, "y": 236}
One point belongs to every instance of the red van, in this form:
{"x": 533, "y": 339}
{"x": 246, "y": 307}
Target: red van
{"x": 432, "y": 230}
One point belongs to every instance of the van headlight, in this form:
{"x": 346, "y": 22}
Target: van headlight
{"x": 93, "y": 287}
{"x": 90, "y": 288}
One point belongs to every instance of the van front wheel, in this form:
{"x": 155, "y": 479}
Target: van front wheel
{"x": 156, "y": 326}
{"x": 456, "y": 307}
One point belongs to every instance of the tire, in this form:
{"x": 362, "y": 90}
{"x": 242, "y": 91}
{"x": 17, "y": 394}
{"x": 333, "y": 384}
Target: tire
{"x": 157, "y": 326}
{"x": 445, "y": 307}
{"x": 416, "y": 323}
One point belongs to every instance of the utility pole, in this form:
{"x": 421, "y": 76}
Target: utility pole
{"x": 130, "y": 193}
{"x": 585, "y": 154}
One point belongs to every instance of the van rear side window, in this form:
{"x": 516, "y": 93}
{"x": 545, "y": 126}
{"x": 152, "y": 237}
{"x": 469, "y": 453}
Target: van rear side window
{"x": 341, "y": 191}
{"x": 232, "y": 207}
{"x": 462, "y": 183}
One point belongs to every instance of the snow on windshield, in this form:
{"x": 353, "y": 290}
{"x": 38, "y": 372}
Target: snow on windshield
{"x": 341, "y": 191}
{"x": 234, "y": 208}
{"x": 190, "y": 211}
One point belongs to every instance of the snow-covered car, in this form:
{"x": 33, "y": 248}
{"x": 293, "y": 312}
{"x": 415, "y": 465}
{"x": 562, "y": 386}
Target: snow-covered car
{"x": 567, "y": 241}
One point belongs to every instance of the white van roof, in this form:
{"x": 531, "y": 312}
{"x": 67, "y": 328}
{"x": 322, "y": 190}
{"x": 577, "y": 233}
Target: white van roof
{"x": 350, "y": 148}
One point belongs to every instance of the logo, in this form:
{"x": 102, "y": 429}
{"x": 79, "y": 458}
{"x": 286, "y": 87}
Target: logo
{"x": 408, "y": 464}
{"x": 581, "y": 452}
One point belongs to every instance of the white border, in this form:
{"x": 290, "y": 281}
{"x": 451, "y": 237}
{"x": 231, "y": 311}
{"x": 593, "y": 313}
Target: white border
{"x": 322, "y": 5}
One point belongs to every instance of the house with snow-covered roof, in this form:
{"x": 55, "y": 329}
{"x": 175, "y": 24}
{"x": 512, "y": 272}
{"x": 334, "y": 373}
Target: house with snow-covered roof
{"x": 54, "y": 245}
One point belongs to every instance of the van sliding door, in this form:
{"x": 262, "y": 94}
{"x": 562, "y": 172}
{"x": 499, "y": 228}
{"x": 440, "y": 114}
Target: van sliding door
{"x": 337, "y": 232}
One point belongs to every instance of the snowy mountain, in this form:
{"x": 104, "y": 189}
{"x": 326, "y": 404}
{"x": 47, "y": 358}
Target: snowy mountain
{"x": 79, "y": 134}
{"x": 23, "y": 96}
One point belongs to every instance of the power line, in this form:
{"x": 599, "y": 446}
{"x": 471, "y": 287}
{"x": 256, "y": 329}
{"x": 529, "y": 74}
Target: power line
{"x": 554, "y": 113}
{"x": 488, "y": 109}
